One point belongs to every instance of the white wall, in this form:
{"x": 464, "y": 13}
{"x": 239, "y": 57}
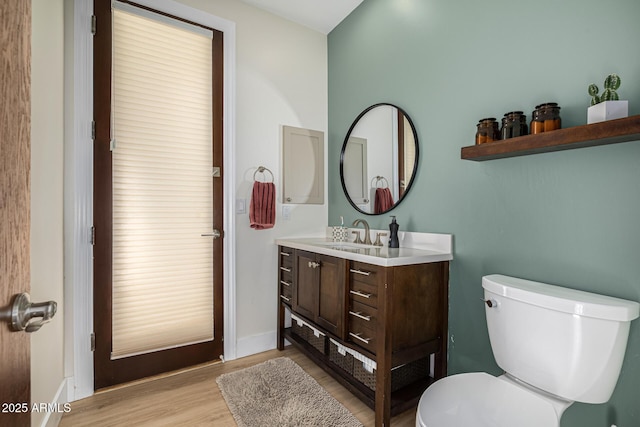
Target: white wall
{"x": 47, "y": 74}
{"x": 281, "y": 79}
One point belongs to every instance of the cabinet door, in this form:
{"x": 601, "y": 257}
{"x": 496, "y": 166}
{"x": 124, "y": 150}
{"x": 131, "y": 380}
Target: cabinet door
{"x": 305, "y": 296}
{"x": 303, "y": 166}
{"x": 332, "y": 294}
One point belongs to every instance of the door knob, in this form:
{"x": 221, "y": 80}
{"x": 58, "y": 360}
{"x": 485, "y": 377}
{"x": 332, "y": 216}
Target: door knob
{"x": 215, "y": 234}
{"x": 22, "y": 311}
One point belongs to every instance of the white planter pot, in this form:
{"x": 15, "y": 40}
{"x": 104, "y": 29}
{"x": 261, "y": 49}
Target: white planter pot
{"x": 607, "y": 110}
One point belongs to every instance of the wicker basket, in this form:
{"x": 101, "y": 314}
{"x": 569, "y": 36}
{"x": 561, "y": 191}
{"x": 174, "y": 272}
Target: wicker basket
{"x": 345, "y": 362}
{"x": 401, "y": 376}
{"x": 306, "y": 333}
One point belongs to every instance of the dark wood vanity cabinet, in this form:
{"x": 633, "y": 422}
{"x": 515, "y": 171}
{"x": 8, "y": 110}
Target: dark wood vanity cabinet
{"x": 394, "y": 316}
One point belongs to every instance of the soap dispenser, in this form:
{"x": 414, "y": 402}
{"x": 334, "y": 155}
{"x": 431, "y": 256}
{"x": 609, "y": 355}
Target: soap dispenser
{"x": 339, "y": 233}
{"x": 393, "y": 238}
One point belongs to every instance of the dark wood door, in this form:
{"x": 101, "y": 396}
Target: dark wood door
{"x": 15, "y": 158}
{"x": 107, "y": 370}
{"x": 331, "y": 294}
{"x": 305, "y": 291}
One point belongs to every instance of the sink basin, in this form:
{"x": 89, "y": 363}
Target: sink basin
{"x": 345, "y": 245}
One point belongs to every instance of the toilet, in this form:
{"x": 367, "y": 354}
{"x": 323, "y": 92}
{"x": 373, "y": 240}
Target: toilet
{"x": 556, "y": 346}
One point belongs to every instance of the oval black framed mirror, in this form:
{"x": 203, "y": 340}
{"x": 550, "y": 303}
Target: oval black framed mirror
{"x": 379, "y": 159}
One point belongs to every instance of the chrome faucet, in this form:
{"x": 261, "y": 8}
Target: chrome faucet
{"x": 367, "y": 236}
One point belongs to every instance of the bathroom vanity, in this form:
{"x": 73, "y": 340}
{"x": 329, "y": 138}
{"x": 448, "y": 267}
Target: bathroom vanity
{"x": 374, "y": 318}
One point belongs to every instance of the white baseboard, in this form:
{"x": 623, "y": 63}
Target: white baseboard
{"x": 71, "y": 396}
{"x": 255, "y": 344}
{"x": 57, "y": 408}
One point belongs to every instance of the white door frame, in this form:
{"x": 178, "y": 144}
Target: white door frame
{"x": 78, "y": 186}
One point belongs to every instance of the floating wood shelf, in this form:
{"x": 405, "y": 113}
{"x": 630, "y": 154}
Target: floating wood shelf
{"x": 608, "y": 132}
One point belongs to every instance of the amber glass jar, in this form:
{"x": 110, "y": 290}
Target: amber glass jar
{"x": 488, "y": 131}
{"x": 545, "y": 118}
{"x": 514, "y": 124}
{"x": 550, "y": 113}
{"x": 537, "y": 124}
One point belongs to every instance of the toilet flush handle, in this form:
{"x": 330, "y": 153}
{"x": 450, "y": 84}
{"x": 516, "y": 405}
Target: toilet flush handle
{"x": 491, "y": 303}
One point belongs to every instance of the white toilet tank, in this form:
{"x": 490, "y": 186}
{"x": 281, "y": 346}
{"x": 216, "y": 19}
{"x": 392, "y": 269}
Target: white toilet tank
{"x": 567, "y": 342}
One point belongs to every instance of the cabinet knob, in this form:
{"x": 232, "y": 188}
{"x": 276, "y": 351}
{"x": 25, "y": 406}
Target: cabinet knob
{"x": 313, "y": 264}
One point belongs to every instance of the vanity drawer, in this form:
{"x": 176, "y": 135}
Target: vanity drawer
{"x": 363, "y": 312}
{"x": 286, "y": 257}
{"x": 285, "y": 264}
{"x": 365, "y": 273}
{"x": 364, "y": 293}
{"x": 286, "y": 292}
{"x": 286, "y": 287}
{"x": 362, "y": 333}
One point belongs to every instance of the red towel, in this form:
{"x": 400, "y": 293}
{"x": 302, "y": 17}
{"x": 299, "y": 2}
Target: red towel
{"x": 262, "y": 210}
{"x": 384, "y": 200}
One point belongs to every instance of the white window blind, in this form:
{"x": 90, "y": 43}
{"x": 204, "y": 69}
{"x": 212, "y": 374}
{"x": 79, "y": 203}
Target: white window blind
{"x": 162, "y": 184}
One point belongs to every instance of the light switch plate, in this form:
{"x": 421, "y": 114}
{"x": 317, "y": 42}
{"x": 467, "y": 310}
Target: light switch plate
{"x": 286, "y": 212}
{"x": 241, "y": 206}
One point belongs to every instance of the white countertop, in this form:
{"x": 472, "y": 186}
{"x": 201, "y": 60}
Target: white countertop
{"x": 415, "y": 248}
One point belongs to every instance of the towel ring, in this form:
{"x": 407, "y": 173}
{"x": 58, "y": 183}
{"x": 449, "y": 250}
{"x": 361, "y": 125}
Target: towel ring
{"x": 379, "y": 178}
{"x": 262, "y": 169}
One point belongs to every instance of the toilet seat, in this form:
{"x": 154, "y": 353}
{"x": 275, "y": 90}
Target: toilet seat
{"x": 482, "y": 400}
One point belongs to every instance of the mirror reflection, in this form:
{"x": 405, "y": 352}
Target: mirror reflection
{"x": 379, "y": 159}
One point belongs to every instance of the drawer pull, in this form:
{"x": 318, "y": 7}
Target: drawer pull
{"x": 358, "y": 337}
{"x": 285, "y": 254}
{"x": 285, "y": 283}
{"x": 361, "y": 294}
{"x": 288, "y": 270}
{"x": 359, "y": 315}
{"x": 285, "y": 298}
{"x": 364, "y": 273}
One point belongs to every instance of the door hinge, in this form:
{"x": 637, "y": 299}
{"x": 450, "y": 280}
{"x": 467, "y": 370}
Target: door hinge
{"x": 112, "y": 144}
{"x": 93, "y": 130}
{"x": 93, "y": 235}
{"x": 93, "y": 24}
{"x": 215, "y": 171}
{"x": 93, "y": 341}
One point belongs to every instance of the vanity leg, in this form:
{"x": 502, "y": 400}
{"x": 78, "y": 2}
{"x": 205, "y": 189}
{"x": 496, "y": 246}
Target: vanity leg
{"x": 280, "y": 328}
{"x": 440, "y": 368}
{"x": 383, "y": 350}
{"x": 383, "y": 400}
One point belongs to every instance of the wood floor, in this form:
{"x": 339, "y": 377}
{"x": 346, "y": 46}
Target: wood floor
{"x": 192, "y": 398}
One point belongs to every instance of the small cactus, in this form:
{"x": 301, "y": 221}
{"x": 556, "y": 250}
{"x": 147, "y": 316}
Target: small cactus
{"x": 593, "y": 91}
{"x": 611, "y": 84}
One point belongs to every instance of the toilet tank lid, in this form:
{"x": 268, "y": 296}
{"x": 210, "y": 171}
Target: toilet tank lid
{"x": 562, "y": 299}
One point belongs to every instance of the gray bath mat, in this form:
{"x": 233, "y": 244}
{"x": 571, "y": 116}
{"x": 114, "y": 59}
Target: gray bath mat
{"x": 279, "y": 393}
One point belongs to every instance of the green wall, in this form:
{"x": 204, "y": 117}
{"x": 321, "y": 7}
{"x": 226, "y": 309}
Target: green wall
{"x": 568, "y": 218}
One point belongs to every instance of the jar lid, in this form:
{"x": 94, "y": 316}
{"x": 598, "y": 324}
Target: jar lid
{"x": 514, "y": 113}
{"x": 488, "y": 119}
{"x": 548, "y": 105}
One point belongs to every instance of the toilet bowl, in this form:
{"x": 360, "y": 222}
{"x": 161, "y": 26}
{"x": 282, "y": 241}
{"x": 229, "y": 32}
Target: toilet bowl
{"x": 481, "y": 400}
{"x": 556, "y": 346}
